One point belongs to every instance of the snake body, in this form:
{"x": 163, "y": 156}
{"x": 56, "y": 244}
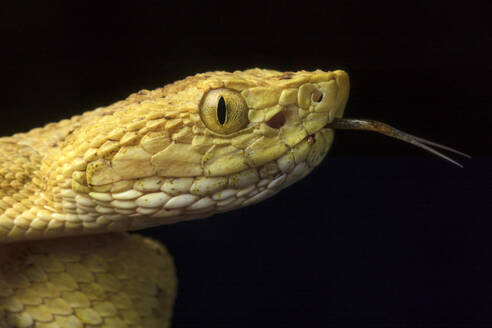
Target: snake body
{"x": 210, "y": 143}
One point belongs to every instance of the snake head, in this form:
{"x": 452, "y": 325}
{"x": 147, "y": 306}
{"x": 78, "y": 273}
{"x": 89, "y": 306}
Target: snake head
{"x": 209, "y": 143}
{"x": 258, "y": 120}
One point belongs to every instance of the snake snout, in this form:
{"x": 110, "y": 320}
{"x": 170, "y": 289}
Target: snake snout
{"x": 329, "y": 94}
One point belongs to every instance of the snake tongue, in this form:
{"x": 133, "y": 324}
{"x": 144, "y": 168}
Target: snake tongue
{"x": 383, "y": 128}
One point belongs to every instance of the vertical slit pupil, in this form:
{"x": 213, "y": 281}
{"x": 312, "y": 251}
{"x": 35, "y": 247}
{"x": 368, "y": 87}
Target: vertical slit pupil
{"x": 221, "y": 111}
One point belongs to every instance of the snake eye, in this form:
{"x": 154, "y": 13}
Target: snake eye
{"x": 224, "y": 111}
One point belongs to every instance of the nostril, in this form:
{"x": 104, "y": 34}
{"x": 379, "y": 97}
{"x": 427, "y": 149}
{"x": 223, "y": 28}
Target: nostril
{"x": 277, "y": 120}
{"x": 316, "y": 96}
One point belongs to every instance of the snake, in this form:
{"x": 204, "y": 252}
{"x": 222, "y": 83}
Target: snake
{"x": 71, "y": 191}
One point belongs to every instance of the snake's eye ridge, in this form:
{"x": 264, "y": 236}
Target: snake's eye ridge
{"x": 224, "y": 111}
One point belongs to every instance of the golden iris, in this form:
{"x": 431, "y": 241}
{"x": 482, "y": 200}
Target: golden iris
{"x": 224, "y": 111}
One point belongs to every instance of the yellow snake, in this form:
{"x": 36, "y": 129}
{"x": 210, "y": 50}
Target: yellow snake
{"x": 210, "y": 143}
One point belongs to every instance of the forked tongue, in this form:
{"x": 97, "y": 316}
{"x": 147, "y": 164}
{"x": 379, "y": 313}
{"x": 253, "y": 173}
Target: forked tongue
{"x": 376, "y": 126}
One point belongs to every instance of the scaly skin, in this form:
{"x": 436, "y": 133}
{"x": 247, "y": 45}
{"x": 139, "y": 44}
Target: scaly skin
{"x": 144, "y": 161}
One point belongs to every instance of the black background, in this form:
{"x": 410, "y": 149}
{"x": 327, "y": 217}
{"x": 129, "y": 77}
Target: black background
{"x": 381, "y": 233}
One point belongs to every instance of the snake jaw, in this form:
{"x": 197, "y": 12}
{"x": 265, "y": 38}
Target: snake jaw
{"x": 284, "y": 140}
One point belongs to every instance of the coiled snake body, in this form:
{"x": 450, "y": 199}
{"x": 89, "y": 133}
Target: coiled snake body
{"x": 207, "y": 144}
